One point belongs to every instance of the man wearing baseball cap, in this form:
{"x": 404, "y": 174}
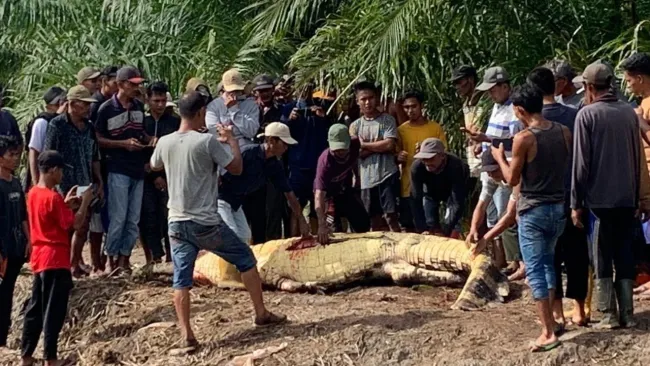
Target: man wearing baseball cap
{"x": 74, "y": 137}
{"x": 605, "y": 121}
{"x": 54, "y": 98}
{"x": 333, "y": 183}
{"x": 263, "y": 89}
{"x": 89, "y": 77}
{"x": 445, "y": 177}
{"x": 233, "y": 108}
{"x": 121, "y": 135}
{"x": 565, "y": 89}
{"x": 261, "y": 163}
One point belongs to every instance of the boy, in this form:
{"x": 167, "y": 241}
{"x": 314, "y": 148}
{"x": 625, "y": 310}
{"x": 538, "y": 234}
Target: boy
{"x": 51, "y": 221}
{"x": 14, "y": 235}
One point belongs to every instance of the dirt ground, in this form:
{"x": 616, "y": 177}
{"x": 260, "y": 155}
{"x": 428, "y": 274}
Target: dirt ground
{"x": 363, "y": 325}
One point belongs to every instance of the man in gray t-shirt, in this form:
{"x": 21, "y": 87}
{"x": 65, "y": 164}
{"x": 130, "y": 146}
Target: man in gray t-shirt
{"x": 380, "y": 183}
{"x": 191, "y": 161}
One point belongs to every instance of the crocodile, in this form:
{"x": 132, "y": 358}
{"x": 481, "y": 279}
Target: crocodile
{"x": 304, "y": 265}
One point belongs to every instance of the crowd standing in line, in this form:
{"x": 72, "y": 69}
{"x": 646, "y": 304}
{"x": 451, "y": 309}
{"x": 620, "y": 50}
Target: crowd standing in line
{"x": 556, "y": 180}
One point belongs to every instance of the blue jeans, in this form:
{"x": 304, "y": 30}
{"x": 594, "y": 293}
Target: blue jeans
{"x": 539, "y": 228}
{"x": 498, "y": 205}
{"x": 188, "y": 237}
{"x": 124, "y": 205}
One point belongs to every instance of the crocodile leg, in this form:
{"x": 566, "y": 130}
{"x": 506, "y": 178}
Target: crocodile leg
{"x": 404, "y": 273}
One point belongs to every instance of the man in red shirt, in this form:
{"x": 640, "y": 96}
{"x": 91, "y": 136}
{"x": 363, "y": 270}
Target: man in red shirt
{"x": 51, "y": 221}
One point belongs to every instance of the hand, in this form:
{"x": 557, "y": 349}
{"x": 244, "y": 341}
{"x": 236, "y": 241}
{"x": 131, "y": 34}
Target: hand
{"x": 88, "y": 195}
{"x": 472, "y": 238}
{"x": 323, "y": 234}
{"x": 71, "y": 199}
{"x": 133, "y": 145}
{"x": 230, "y": 98}
{"x": 153, "y": 141}
{"x": 294, "y": 114}
{"x": 160, "y": 184}
{"x": 475, "y": 135}
{"x": 499, "y": 153}
{"x": 478, "y": 248}
{"x": 225, "y": 133}
{"x": 62, "y": 108}
{"x": 576, "y": 217}
{"x": 478, "y": 150}
{"x": 28, "y": 251}
{"x": 319, "y": 111}
{"x": 401, "y": 157}
{"x": 305, "y": 230}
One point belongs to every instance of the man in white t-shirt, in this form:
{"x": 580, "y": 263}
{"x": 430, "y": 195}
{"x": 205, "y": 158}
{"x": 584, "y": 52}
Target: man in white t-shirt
{"x": 191, "y": 161}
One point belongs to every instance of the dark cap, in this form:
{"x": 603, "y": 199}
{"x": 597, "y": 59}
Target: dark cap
{"x": 110, "y": 71}
{"x": 488, "y": 163}
{"x": 263, "y": 82}
{"x": 130, "y": 74}
{"x": 51, "y": 159}
{"x": 54, "y": 95}
{"x": 430, "y": 147}
{"x": 462, "y": 72}
{"x": 598, "y": 73}
{"x": 492, "y": 77}
{"x": 561, "y": 69}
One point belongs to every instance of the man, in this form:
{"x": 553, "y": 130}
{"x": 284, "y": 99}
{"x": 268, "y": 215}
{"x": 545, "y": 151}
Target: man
{"x": 89, "y": 78}
{"x": 261, "y": 164}
{"x": 309, "y": 125}
{"x": 196, "y": 84}
{"x": 121, "y": 135}
{"x": 263, "y": 89}
{"x": 377, "y": 133}
{"x": 14, "y": 231}
{"x": 153, "y": 221}
{"x": 637, "y": 79}
{"x": 54, "y": 98}
{"x": 565, "y": 90}
{"x": 9, "y": 126}
{"x": 606, "y": 188}
{"x": 411, "y": 135}
{"x": 571, "y": 248}
{"x": 464, "y": 78}
{"x": 502, "y": 125}
{"x": 234, "y": 109}
{"x": 444, "y": 178}
{"x": 51, "y": 220}
{"x": 108, "y": 88}
{"x": 189, "y": 159}
{"x": 73, "y": 136}
{"x": 336, "y": 167}
{"x": 540, "y": 155}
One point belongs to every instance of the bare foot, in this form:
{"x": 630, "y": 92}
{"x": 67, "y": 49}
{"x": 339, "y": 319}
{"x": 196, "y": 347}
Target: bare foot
{"x": 518, "y": 275}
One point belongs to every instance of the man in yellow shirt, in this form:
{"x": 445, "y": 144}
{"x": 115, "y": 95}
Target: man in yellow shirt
{"x": 411, "y": 134}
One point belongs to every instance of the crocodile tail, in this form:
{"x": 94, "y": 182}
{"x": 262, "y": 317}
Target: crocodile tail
{"x": 485, "y": 284}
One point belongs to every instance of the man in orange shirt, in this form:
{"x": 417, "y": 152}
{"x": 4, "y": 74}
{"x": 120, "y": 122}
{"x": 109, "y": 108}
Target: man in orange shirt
{"x": 411, "y": 134}
{"x": 51, "y": 221}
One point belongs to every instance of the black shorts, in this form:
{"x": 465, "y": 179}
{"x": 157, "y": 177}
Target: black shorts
{"x": 382, "y": 198}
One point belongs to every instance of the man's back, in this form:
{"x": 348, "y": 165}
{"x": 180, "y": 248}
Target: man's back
{"x": 191, "y": 161}
{"x": 606, "y": 155}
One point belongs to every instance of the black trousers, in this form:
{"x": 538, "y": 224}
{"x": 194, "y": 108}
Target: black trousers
{"x": 349, "y": 205}
{"x": 46, "y": 311}
{"x": 254, "y": 207}
{"x": 7, "y": 296}
{"x": 277, "y": 214}
{"x": 615, "y": 244}
{"x": 572, "y": 250}
{"x": 153, "y": 219}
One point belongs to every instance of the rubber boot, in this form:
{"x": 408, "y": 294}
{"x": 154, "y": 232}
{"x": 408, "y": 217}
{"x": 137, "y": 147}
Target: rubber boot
{"x": 624, "y": 294}
{"x": 606, "y": 304}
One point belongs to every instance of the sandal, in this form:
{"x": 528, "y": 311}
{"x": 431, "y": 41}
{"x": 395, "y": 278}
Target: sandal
{"x": 534, "y": 347}
{"x": 270, "y": 319}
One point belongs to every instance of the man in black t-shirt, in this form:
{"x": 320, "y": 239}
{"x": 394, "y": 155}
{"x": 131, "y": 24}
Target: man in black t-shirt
{"x": 121, "y": 135}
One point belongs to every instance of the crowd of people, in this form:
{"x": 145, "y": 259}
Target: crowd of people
{"x": 555, "y": 178}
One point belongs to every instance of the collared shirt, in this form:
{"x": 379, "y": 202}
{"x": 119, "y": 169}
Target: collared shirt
{"x": 167, "y": 123}
{"x": 118, "y": 123}
{"x": 503, "y": 123}
{"x": 79, "y": 148}
{"x": 9, "y": 126}
{"x": 243, "y": 116}
{"x": 257, "y": 169}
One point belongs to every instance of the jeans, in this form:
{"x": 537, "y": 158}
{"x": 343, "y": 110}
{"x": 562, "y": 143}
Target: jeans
{"x": 124, "y": 206}
{"x": 236, "y": 220}
{"x": 188, "y": 237}
{"x": 539, "y": 228}
{"x": 498, "y": 205}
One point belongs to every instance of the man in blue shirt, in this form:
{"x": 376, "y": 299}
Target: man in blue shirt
{"x": 261, "y": 162}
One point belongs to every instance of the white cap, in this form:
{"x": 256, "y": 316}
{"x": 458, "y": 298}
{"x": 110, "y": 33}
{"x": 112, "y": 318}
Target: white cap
{"x": 279, "y": 130}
